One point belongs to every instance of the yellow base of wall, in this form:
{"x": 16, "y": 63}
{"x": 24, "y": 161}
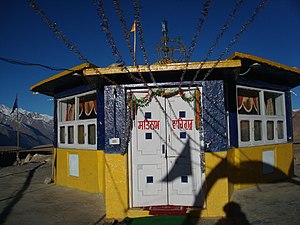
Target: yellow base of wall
{"x": 90, "y": 169}
{"x": 116, "y": 186}
{"x": 240, "y": 168}
{"x": 225, "y": 172}
{"x": 246, "y": 165}
{"x": 137, "y": 212}
{"x": 216, "y": 184}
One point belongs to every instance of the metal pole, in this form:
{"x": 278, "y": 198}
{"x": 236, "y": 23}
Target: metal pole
{"x": 134, "y": 44}
{"x": 18, "y": 133}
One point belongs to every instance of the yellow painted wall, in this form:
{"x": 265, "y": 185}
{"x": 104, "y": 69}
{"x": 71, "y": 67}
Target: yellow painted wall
{"x": 225, "y": 172}
{"x": 216, "y": 184}
{"x": 246, "y": 167}
{"x": 240, "y": 168}
{"x": 230, "y": 167}
{"x": 91, "y": 169}
{"x": 116, "y": 186}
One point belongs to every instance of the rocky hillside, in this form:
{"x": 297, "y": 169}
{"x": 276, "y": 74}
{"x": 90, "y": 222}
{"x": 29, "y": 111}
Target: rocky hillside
{"x": 35, "y": 129}
{"x": 296, "y": 126}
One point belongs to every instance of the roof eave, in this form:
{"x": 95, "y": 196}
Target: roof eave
{"x": 39, "y": 86}
{"x": 162, "y": 67}
{"x": 239, "y": 55}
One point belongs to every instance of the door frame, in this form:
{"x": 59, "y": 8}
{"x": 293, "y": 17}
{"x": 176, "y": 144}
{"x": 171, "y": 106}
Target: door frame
{"x": 202, "y": 155}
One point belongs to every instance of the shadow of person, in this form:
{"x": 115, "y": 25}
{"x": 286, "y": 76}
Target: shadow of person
{"x": 234, "y": 215}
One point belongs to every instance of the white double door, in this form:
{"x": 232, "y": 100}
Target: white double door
{"x": 165, "y": 154}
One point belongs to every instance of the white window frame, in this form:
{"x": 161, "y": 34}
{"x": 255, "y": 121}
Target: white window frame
{"x": 75, "y": 123}
{"x": 264, "y": 118}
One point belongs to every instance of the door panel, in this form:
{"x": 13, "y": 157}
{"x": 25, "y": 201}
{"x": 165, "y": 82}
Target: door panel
{"x": 148, "y": 158}
{"x": 183, "y": 152}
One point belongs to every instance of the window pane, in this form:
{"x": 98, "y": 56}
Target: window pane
{"x": 181, "y": 114}
{"x": 62, "y": 134}
{"x": 148, "y": 136}
{"x": 257, "y": 130}
{"x": 147, "y": 115}
{"x": 182, "y": 135}
{"x": 70, "y": 135}
{"x": 280, "y": 129}
{"x": 87, "y": 107}
{"x": 270, "y": 130}
{"x": 248, "y": 101}
{"x": 273, "y": 103}
{"x": 245, "y": 130}
{"x": 67, "y": 110}
{"x": 80, "y": 134}
{"x": 91, "y": 134}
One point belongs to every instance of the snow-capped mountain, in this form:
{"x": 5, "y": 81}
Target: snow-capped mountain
{"x": 35, "y": 129}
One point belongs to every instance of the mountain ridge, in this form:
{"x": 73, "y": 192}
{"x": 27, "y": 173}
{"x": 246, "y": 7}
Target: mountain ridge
{"x": 34, "y": 128}
{"x": 296, "y": 126}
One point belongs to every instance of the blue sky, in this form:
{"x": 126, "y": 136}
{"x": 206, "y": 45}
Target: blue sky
{"x": 274, "y": 35}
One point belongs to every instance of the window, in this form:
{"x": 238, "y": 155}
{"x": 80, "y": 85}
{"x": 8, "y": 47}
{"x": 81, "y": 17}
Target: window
{"x": 70, "y": 134}
{"x": 280, "y": 130}
{"x": 273, "y": 104}
{"x": 261, "y": 117}
{"x": 245, "y": 130}
{"x": 77, "y": 120}
{"x": 248, "y": 102}
{"x": 67, "y": 110}
{"x": 62, "y": 135}
{"x": 257, "y": 130}
{"x": 91, "y": 134}
{"x": 270, "y": 130}
{"x": 80, "y": 136}
{"x": 87, "y": 107}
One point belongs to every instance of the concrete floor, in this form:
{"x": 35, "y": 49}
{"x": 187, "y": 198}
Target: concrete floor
{"x": 26, "y": 200}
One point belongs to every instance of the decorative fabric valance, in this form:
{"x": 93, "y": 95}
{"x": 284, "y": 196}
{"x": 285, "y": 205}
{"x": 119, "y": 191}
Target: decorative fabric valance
{"x": 248, "y": 105}
{"x": 87, "y": 109}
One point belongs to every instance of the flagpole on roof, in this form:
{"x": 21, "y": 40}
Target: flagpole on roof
{"x": 133, "y": 29}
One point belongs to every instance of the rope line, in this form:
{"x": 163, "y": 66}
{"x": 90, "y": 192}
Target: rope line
{"x": 232, "y": 42}
{"x": 204, "y": 14}
{"x": 23, "y": 63}
{"x": 220, "y": 35}
{"x": 106, "y": 29}
{"x": 63, "y": 37}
